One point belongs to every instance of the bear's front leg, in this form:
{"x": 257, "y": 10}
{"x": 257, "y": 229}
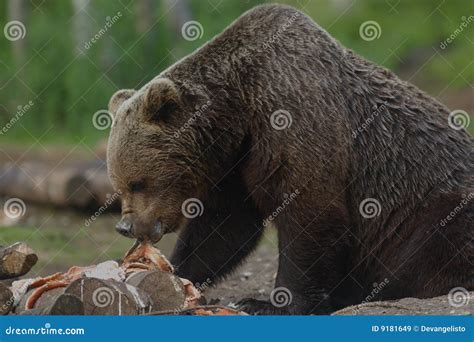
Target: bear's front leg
{"x": 213, "y": 244}
{"x": 312, "y": 264}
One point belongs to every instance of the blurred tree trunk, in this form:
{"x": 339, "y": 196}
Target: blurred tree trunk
{"x": 145, "y": 11}
{"x": 81, "y": 27}
{"x": 179, "y": 12}
{"x": 145, "y": 16}
{"x": 17, "y": 11}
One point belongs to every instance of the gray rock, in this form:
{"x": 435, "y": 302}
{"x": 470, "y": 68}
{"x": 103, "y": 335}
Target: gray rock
{"x": 413, "y": 306}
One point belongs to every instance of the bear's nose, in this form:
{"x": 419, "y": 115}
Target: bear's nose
{"x": 125, "y": 227}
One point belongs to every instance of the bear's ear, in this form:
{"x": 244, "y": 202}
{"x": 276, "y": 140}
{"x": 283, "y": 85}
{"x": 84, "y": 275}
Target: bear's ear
{"x": 161, "y": 100}
{"x": 118, "y": 98}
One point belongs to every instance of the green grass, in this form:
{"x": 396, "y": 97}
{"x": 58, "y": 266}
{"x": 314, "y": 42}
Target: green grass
{"x": 59, "y": 248}
{"x": 61, "y": 239}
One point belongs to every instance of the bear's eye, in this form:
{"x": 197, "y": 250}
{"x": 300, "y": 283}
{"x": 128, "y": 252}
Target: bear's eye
{"x": 137, "y": 186}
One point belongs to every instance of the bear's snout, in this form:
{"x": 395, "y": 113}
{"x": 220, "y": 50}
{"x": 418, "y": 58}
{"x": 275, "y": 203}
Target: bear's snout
{"x": 131, "y": 228}
{"x": 125, "y": 227}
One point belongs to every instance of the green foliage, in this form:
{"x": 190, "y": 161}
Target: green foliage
{"x": 67, "y": 88}
{"x": 411, "y": 33}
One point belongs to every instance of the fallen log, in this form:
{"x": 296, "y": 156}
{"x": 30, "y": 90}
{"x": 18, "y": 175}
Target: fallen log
{"x": 103, "y": 193}
{"x": 109, "y": 297}
{"x": 6, "y": 299}
{"x": 16, "y": 260}
{"x": 201, "y": 310}
{"x": 64, "y": 304}
{"x": 81, "y": 185}
{"x": 38, "y": 182}
{"x": 166, "y": 291}
{"x": 46, "y": 300}
{"x": 141, "y": 283}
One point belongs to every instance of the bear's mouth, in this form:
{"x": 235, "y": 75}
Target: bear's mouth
{"x": 157, "y": 232}
{"x": 126, "y": 227}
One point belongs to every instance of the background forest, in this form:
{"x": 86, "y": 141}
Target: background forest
{"x": 74, "y": 54}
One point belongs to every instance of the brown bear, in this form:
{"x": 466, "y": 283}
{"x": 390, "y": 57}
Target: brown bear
{"x": 362, "y": 174}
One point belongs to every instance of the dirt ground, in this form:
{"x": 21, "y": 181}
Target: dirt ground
{"x": 255, "y": 278}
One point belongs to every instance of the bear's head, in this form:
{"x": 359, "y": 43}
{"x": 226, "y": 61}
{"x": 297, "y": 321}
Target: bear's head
{"x": 153, "y": 156}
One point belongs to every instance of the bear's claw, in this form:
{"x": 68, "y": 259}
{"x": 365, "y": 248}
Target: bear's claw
{"x": 259, "y": 307}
